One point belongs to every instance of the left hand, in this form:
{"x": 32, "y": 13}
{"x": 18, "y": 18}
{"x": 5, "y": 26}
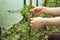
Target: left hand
{"x": 37, "y": 10}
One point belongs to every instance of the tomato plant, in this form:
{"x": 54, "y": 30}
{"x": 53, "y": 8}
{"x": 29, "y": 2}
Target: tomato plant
{"x": 20, "y": 30}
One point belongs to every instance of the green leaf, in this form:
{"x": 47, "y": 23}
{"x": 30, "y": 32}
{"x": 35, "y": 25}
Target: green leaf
{"x": 7, "y": 20}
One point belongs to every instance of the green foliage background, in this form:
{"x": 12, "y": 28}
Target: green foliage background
{"x": 21, "y": 30}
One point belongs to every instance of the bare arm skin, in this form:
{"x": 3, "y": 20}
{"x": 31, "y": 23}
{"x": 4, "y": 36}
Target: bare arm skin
{"x": 40, "y": 22}
{"x": 53, "y": 21}
{"x": 53, "y": 11}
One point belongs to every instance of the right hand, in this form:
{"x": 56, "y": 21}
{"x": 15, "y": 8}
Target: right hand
{"x": 37, "y": 10}
{"x": 37, "y": 22}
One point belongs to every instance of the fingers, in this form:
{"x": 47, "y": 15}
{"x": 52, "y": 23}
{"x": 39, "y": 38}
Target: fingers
{"x": 37, "y": 11}
{"x": 32, "y": 10}
{"x": 31, "y": 19}
{"x": 32, "y": 25}
{"x": 32, "y": 22}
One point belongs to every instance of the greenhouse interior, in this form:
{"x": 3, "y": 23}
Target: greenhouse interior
{"x": 26, "y": 20}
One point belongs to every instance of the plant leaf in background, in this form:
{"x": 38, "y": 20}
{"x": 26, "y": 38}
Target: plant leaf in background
{"x": 7, "y": 20}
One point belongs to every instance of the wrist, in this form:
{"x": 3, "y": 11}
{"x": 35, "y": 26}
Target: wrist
{"x": 45, "y": 9}
{"x": 49, "y": 21}
{"x": 45, "y": 20}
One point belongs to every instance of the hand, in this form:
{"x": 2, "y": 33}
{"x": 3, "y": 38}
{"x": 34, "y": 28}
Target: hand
{"x": 37, "y": 22}
{"x": 37, "y": 10}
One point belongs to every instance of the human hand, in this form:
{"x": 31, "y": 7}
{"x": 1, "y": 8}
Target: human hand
{"x": 37, "y": 22}
{"x": 37, "y": 10}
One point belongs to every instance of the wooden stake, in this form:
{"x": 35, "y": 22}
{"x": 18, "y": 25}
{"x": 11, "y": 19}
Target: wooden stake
{"x": 24, "y": 2}
{"x": 31, "y": 2}
{"x": 36, "y": 2}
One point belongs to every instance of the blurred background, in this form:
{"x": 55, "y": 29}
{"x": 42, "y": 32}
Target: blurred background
{"x": 14, "y": 20}
{"x": 16, "y": 4}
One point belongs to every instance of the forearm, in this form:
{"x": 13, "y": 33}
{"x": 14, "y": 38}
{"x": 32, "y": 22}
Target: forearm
{"x": 53, "y": 11}
{"x": 53, "y": 21}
